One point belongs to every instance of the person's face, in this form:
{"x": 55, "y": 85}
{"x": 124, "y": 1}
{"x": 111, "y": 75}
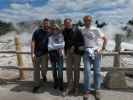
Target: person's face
{"x": 68, "y": 24}
{"x": 49, "y": 29}
{"x": 46, "y": 25}
{"x": 87, "y": 21}
{"x": 55, "y": 30}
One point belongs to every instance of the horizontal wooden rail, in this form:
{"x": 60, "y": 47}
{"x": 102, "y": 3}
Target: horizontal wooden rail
{"x": 126, "y": 52}
{"x": 49, "y": 68}
{"x": 4, "y": 42}
{"x": 15, "y": 52}
{"x": 106, "y": 53}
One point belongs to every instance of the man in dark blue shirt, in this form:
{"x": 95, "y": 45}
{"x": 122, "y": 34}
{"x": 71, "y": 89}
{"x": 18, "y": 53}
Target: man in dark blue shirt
{"x": 39, "y": 50}
{"x": 74, "y": 44}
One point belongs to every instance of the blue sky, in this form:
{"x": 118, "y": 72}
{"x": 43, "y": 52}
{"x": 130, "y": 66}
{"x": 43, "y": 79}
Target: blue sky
{"x": 108, "y": 10}
{"x": 35, "y": 3}
{"x": 4, "y": 3}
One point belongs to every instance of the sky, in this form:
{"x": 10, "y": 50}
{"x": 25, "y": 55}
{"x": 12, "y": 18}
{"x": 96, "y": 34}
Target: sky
{"x": 112, "y": 11}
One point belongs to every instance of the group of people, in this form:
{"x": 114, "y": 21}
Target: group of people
{"x": 73, "y": 43}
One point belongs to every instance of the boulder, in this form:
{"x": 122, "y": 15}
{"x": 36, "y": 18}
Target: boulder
{"x": 115, "y": 80}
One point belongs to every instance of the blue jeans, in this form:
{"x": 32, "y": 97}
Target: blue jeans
{"x": 88, "y": 62}
{"x": 56, "y": 59}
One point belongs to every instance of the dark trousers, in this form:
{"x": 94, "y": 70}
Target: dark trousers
{"x": 40, "y": 63}
{"x": 73, "y": 70}
{"x": 56, "y": 58}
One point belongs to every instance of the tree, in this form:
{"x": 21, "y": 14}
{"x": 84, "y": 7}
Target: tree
{"x": 79, "y": 23}
{"x": 130, "y": 22}
{"x": 5, "y": 27}
{"x": 100, "y": 25}
{"x": 128, "y": 28}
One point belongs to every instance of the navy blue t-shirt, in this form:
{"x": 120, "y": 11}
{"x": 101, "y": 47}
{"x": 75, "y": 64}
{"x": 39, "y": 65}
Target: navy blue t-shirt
{"x": 41, "y": 42}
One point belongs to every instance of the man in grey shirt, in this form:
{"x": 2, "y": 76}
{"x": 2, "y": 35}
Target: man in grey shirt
{"x": 92, "y": 37}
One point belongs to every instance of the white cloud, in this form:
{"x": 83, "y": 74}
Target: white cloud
{"x": 108, "y": 10}
{"x": 16, "y": 6}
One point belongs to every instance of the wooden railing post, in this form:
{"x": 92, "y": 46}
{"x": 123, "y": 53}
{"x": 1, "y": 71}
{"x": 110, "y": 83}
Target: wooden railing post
{"x": 117, "y": 49}
{"x": 116, "y": 79}
{"x": 19, "y": 57}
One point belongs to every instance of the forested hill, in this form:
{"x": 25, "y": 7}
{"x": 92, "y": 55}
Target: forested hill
{"x": 5, "y": 27}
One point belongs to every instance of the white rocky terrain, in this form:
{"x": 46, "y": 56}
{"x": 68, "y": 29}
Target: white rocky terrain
{"x": 7, "y": 43}
{"x": 23, "y": 92}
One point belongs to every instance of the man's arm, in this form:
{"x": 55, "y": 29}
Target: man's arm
{"x": 33, "y": 50}
{"x": 80, "y": 40}
{"x": 32, "y": 47}
{"x": 104, "y": 42}
{"x": 104, "y": 39}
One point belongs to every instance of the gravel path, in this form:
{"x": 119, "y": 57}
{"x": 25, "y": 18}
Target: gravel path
{"x": 8, "y": 92}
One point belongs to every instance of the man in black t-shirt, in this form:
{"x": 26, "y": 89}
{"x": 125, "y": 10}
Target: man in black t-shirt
{"x": 39, "y": 50}
{"x": 74, "y": 43}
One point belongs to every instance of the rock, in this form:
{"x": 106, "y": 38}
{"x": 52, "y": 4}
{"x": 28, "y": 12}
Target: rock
{"x": 3, "y": 82}
{"x": 9, "y": 62}
{"x": 115, "y": 80}
{"x": 129, "y": 75}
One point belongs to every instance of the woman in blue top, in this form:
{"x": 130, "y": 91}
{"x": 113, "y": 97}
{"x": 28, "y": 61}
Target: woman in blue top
{"x": 55, "y": 47}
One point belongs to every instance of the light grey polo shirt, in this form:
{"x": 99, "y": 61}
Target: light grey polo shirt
{"x": 92, "y": 37}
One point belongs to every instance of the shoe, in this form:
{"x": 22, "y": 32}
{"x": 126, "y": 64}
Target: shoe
{"x": 61, "y": 88}
{"x": 55, "y": 85}
{"x": 35, "y": 89}
{"x": 67, "y": 92}
{"x": 56, "y": 82}
{"x": 86, "y": 95}
{"x": 44, "y": 79}
{"x": 97, "y": 94}
{"x": 76, "y": 93}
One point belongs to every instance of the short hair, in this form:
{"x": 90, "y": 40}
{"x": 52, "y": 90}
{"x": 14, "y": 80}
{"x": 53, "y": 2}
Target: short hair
{"x": 56, "y": 26}
{"x": 87, "y": 16}
{"x": 45, "y": 19}
{"x": 67, "y": 19}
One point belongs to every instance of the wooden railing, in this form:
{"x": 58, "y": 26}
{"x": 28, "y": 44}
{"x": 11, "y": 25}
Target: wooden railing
{"x": 105, "y": 53}
{"x": 116, "y": 53}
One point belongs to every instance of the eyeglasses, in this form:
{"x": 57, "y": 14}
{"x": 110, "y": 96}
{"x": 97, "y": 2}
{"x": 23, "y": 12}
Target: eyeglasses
{"x": 88, "y": 20}
{"x": 54, "y": 28}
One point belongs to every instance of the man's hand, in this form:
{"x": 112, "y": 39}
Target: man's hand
{"x": 100, "y": 50}
{"x": 72, "y": 49}
{"x": 33, "y": 58}
{"x": 81, "y": 48}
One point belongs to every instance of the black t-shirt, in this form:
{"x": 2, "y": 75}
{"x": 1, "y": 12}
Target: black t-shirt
{"x": 41, "y": 42}
{"x": 68, "y": 38}
{"x": 73, "y": 37}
